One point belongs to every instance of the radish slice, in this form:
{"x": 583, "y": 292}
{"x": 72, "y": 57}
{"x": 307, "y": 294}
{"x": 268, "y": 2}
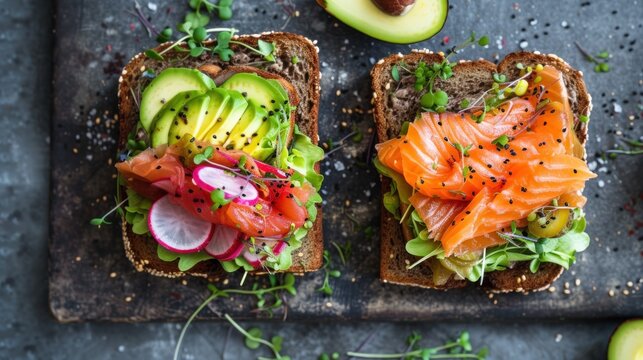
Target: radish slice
{"x": 271, "y": 169}
{"x": 252, "y": 258}
{"x": 278, "y": 246}
{"x": 176, "y": 229}
{"x": 225, "y": 243}
{"x": 235, "y": 187}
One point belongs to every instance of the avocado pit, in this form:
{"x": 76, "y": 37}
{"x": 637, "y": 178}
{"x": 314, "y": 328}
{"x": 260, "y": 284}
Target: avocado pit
{"x": 395, "y": 7}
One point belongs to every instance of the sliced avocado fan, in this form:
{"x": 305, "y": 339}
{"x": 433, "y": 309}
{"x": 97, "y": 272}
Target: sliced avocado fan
{"x": 247, "y": 112}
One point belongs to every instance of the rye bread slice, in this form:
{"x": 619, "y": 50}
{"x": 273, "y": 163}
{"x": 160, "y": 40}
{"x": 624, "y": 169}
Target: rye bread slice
{"x": 303, "y": 84}
{"x": 396, "y": 102}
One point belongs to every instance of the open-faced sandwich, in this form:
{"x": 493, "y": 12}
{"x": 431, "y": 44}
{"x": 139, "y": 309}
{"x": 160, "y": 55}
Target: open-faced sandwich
{"x": 483, "y": 168}
{"x": 219, "y": 158}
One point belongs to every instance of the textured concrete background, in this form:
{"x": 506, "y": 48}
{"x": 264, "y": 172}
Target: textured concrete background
{"x": 28, "y": 331}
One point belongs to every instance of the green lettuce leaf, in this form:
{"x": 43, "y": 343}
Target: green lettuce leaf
{"x": 186, "y": 261}
{"x": 302, "y": 158}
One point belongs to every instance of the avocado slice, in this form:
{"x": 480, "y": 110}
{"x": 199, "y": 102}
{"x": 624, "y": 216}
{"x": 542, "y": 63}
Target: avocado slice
{"x": 189, "y": 119}
{"x": 626, "y": 342}
{"x": 262, "y": 146}
{"x": 260, "y": 90}
{"x": 247, "y": 127}
{"x": 165, "y": 117}
{"x": 221, "y": 127}
{"x": 425, "y": 19}
{"x": 165, "y": 86}
{"x": 218, "y": 100}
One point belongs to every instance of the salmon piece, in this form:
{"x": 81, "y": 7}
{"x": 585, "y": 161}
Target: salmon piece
{"x": 573, "y": 199}
{"x": 479, "y": 243}
{"x": 553, "y": 83}
{"x": 279, "y": 207}
{"x": 389, "y": 153}
{"x": 436, "y": 213}
{"x": 150, "y": 166}
{"x": 450, "y": 159}
{"x": 541, "y": 180}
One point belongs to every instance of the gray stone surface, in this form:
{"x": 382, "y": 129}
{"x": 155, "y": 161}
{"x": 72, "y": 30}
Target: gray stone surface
{"x": 27, "y": 329}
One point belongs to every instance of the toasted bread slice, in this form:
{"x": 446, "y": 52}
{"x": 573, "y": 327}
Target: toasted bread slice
{"x": 395, "y": 103}
{"x": 302, "y": 81}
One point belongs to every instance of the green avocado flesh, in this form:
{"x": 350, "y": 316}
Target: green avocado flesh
{"x": 247, "y": 127}
{"x": 424, "y": 20}
{"x": 189, "y": 119}
{"x": 243, "y": 113}
{"x": 627, "y": 341}
{"x": 166, "y": 86}
{"x": 260, "y": 90}
{"x": 221, "y": 127}
{"x": 165, "y": 118}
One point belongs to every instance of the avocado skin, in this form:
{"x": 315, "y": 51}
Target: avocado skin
{"x": 425, "y": 19}
{"x": 189, "y": 119}
{"x": 163, "y": 120}
{"x": 627, "y": 341}
{"x": 166, "y": 86}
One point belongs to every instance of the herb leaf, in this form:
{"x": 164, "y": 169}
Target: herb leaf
{"x": 395, "y": 72}
{"x": 223, "y": 46}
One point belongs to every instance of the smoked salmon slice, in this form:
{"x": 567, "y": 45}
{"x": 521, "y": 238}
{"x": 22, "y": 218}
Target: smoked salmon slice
{"x": 469, "y": 185}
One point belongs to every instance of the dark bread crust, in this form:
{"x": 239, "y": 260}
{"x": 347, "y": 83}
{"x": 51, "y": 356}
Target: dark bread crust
{"x": 470, "y": 79}
{"x": 303, "y": 81}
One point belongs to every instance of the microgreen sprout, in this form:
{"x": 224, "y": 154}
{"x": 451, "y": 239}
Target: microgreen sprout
{"x": 459, "y": 348}
{"x": 634, "y": 148}
{"x": 426, "y": 74}
{"x": 332, "y": 356}
{"x": 328, "y": 273}
{"x": 344, "y": 251}
{"x": 276, "y": 290}
{"x": 600, "y": 66}
{"x": 499, "y": 93}
{"x": 501, "y": 140}
{"x": 333, "y": 146}
{"x": 253, "y": 339}
{"x": 103, "y": 220}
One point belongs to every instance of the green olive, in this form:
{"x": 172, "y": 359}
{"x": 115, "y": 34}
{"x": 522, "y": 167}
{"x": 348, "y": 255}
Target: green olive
{"x": 440, "y": 274}
{"x": 550, "y": 225}
{"x": 461, "y": 264}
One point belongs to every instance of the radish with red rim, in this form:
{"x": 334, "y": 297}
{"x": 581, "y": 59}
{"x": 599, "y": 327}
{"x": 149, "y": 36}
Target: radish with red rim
{"x": 237, "y": 188}
{"x": 225, "y": 244}
{"x": 176, "y": 229}
{"x": 254, "y": 259}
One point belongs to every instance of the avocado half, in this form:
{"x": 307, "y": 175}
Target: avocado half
{"x": 425, "y": 19}
{"x": 627, "y": 341}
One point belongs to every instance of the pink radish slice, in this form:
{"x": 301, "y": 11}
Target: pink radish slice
{"x": 279, "y": 247}
{"x": 255, "y": 260}
{"x": 252, "y": 258}
{"x": 271, "y": 169}
{"x": 166, "y": 185}
{"x": 225, "y": 243}
{"x": 235, "y": 187}
{"x": 176, "y": 229}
